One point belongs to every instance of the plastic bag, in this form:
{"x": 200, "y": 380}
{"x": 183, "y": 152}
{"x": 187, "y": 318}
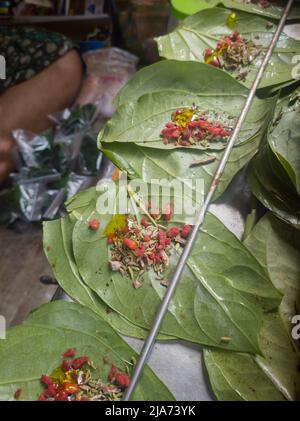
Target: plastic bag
{"x": 108, "y": 70}
{"x": 47, "y": 163}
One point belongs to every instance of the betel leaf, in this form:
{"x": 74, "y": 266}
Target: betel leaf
{"x": 179, "y": 76}
{"x": 223, "y": 291}
{"x": 57, "y": 238}
{"x": 148, "y": 164}
{"x": 274, "y": 172}
{"x": 276, "y": 245}
{"x": 284, "y": 137}
{"x": 203, "y": 30}
{"x": 273, "y": 377}
{"x": 183, "y": 163}
{"x": 142, "y": 118}
{"x": 63, "y": 325}
{"x": 271, "y": 186}
{"x": 57, "y": 241}
{"x": 274, "y": 10}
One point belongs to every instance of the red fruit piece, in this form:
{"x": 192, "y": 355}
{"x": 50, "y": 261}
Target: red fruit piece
{"x": 171, "y": 126}
{"x": 131, "y": 244}
{"x": 122, "y": 380}
{"x": 161, "y": 237}
{"x": 66, "y": 365}
{"x": 161, "y": 234}
{"x": 140, "y": 252}
{"x": 215, "y": 62}
{"x": 176, "y": 134}
{"x": 208, "y": 53}
{"x": 168, "y": 133}
{"x": 80, "y": 362}
{"x": 173, "y": 232}
{"x": 110, "y": 239}
{"x": 154, "y": 213}
{"x": 70, "y": 353}
{"x": 18, "y": 393}
{"x": 112, "y": 373}
{"x": 186, "y": 134}
{"x": 147, "y": 238}
{"x": 61, "y": 396}
{"x": 236, "y": 36}
{"x": 144, "y": 222}
{"x": 94, "y": 224}
{"x": 186, "y": 230}
{"x": 168, "y": 212}
{"x": 184, "y": 143}
{"x": 46, "y": 380}
{"x": 51, "y": 390}
{"x": 42, "y": 397}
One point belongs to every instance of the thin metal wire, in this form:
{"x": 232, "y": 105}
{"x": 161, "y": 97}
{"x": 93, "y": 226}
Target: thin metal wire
{"x": 150, "y": 341}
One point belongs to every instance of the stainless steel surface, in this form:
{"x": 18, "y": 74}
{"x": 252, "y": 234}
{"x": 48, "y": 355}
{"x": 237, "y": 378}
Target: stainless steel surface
{"x": 150, "y": 341}
{"x": 180, "y": 367}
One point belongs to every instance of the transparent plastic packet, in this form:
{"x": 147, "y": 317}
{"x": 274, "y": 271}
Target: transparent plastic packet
{"x": 47, "y": 161}
{"x": 110, "y": 61}
{"x": 108, "y": 70}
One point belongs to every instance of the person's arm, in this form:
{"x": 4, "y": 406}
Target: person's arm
{"x": 28, "y": 104}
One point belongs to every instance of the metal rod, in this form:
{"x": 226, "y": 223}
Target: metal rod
{"x": 150, "y": 341}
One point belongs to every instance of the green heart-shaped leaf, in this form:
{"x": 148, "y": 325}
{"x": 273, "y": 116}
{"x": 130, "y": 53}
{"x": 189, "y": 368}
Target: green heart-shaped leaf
{"x": 63, "y": 325}
{"x": 203, "y": 30}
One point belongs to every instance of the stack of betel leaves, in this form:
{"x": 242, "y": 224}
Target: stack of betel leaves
{"x": 274, "y": 173}
{"x": 236, "y": 299}
{"x": 272, "y": 9}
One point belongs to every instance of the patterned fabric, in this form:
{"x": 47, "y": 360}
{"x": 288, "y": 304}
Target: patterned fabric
{"x": 28, "y": 51}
